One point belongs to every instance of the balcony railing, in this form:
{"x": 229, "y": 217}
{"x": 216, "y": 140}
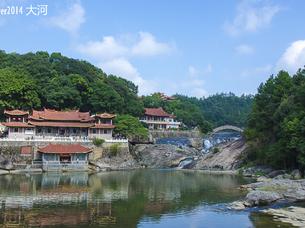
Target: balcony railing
{"x": 60, "y": 139}
{"x": 161, "y": 122}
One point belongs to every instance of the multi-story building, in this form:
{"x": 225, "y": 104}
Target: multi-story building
{"x": 158, "y": 119}
{"x": 52, "y": 123}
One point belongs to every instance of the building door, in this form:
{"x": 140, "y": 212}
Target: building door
{"x": 65, "y": 158}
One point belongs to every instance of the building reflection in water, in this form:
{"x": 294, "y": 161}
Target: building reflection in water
{"x": 112, "y": 199}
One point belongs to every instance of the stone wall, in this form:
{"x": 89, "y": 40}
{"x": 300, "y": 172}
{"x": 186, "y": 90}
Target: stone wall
{"x": 10, "y": 152}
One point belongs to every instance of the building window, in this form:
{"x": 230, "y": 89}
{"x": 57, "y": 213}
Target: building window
{"x": 74, "y": 130}
{"x": 38, "y": 130}
{"x": 49, "y": 130}
{"x": 15, "y": 129}
{"x": 94, "y": 131}
{"x": 105, "y": 131}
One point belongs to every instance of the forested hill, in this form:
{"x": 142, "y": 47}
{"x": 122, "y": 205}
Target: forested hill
{"x": 54, "y": 81}
{"x": 37, "y": 80}
{"x": 213, "y": 111}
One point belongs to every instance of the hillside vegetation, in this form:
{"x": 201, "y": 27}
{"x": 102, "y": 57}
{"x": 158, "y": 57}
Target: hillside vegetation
{"x": 276, "y": 126}
{"x": 42, "y": 80}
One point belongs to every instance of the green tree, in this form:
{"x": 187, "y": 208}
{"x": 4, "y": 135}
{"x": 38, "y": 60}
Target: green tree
{"x": 130, "y": 127}
{"x": 17, "y": 90}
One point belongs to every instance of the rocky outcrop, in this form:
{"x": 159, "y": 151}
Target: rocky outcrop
{"x": 292, "y": 215}
{"x": 162, "y": 155}
{"x": 270, "y": 191}
{"x": 261, "y": 198}
{"x": 227, "y": 157}
{"x": 10, "y": 158}
{"x": 113, "y": 157}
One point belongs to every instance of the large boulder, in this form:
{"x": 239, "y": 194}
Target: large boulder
{"x": 296, "y": 174}
{"x": 261, "y": 198}
{"x": 276, "y": 173}
{"x": 162, "y": 155}
{"x": 228, "y": 157}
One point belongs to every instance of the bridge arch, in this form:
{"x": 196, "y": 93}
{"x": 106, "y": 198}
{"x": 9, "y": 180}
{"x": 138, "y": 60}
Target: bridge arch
{"x": 227, "y": 127}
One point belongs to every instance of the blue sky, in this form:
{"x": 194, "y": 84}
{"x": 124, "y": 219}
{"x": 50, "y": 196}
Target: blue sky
{"x": 197, "y": 48}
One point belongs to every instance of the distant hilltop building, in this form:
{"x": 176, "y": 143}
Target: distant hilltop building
{"x": 158, "y": 119}
{"x": 165, "y": 97}
{"x": 52, "y": 123}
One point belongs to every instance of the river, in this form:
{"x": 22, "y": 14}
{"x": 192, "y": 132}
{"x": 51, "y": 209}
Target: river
{"x": 140, "y": 198}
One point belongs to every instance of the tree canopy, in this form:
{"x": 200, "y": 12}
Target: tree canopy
{"x": 276, "y": 124}
{"x": 37, "y": 80}
{"x": 130, "y": 127}
{"x": 42, "y": 80}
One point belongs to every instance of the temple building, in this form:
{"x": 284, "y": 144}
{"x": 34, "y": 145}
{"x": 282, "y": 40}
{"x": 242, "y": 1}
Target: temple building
{"x": 158, "y": 119}
{"x": 60, "y": 157}
{"x": 52, "y": 123}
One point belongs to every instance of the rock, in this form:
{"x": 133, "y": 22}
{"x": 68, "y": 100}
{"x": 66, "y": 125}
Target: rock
{"x": 261, "y": 198}
{"x": 256, "y": 171}
{"x": 162, "y": 155}
{"x": 292, "y": 215}
{"x": 296, "y": 174}
{"x": 283, "y": 176}
{"x": 3, "y": 172}
{"x": 263, "y": 179}
{"x": 295, "y": 194}
{"x": 228, "y": 157}
{"x": 237, "y": 205}
{"x": 275, "y": 173}
{"x": 266, "y": 192}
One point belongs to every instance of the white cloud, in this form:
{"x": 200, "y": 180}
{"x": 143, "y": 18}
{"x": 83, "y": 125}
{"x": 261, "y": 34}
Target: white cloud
{"x": 194, "y": 82}
{"x": 265, "y": 70}
{"x": 148, "y": 46}
{"x": 293, "y": 58}
{"x": 122, "y": 67}
{"x": 107, "y": 48}
{"x": 71, "y": 19}
{"x": 251, "y": 16}
{"x": 244, "y": 49}
{"x": 208, "y": 69}
{"x": 113, "y": 55}
{"x": 192, "y": 71}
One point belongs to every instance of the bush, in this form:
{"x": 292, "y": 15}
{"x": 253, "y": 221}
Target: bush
{"x": 215, "y": 150}
{"x": 114, "y": 149}
{"x": 98, "y": 141}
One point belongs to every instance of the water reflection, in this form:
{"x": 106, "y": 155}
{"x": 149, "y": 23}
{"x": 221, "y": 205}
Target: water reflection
{"x": 112, "y": 199}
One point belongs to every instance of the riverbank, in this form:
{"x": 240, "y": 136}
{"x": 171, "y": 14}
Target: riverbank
{"x": 278, "y": 192}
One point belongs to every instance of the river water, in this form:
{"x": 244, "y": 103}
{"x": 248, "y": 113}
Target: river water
{"x": 140, "y": 198}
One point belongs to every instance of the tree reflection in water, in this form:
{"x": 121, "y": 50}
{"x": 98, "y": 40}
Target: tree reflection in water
{"x": 112, "y": 199}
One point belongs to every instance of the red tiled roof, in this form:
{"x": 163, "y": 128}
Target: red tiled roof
{"x": 156, "y": 112}
{"x": 104, "y": 126}
{"x": 60, "y": 124}
{"x": 49, "y": 114}
{"x": 64, "y": 149}
{"x": 105, "y": 115}
{"x": 26, "y": 150}
{"x": 16, "y": 124}
{"x": 16, "y": 112}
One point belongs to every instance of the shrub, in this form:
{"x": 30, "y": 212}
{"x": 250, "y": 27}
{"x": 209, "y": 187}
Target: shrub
{"x": 98, "y": 141}
{"x": 215, "y": 150}
{"x": 114, "y": 149}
